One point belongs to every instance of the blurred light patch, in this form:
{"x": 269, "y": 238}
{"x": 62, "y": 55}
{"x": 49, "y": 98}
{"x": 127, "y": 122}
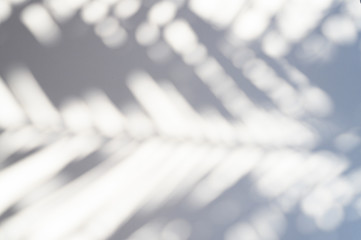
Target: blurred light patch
{"x": 269, "y": 223}
{"x": 266, "y": 223}
{"x": 107, "y": 27}
{"x": 275, "y": 45}
{"x": 5, "y": 11}
{"x": 219, "y": 13}
{"x": 127, "y": 8}
{"x": 107, "y": 118}
{"x": 292, "y": 101}
{"x": 203, "y": 161}
{"x": 21, "y": 220}
{"x": 93, "y": 12}
{"x": 317, "y": 102}
{"x": 87, "y": 201}
{"x": 316, "y": 48}
{"x": 350, "y": 9}
{"x": 110, "y": 215}
{"x": 238, "y": 57}
{"x": 295, "y": 75}
{"x": 222, "y": 130}
{"x": 17, "y": 2}
{"x": 347, "y": 141}
{"x": 269, "y": 7}
{"x": 111, "y": 33}
{"x": 357, "y": 208}
{"x": 241, "y": 231}
{"x": 147, "y": 34}
{"x": 188, "y": 158}
{"x": 138, "y": 125}
{"x": 157, "y": 104}
{"x": 286, "y": 170}
{"x": 178, "y": 229}
{"x": 20, "y": 141}
{"x": 29, "y": 180}
{"x": 76, "y": 115}
{"x": 203, "y": 8}
{"x": 162, "y": 12}
{"x": 250, "y": 25}
{"x": 160, "y": 52}
{"x": 11, "y": 113}
{"x": 117, "y": 39}
{"x": 164, "y": 161}
{"x": 328, "y": 215}
{"x": 280, "y": 130}
{"x": 150, "y": 231}
{"x": 354, "y": 178}
{"x": 197, "y": 56}
{"x": 340, "y": 29}
{"x": 187, "y": 113}
{"x": 109, "y": 2}
{"x": 262, "y": 75}
{"x": 34, "y": 100}
{"x": 63, "y": 10}
{"x": 39, "y": 22}
{"x": 180, "y": 36}
{"x": 224, "y": 87}
{"x": 231, "y": 170}
{"x": 37, "y": 168}
{"x": 297, "y": 19}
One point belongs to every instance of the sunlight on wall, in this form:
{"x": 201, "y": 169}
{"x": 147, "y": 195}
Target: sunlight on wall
{"x": 340, "y": 30}
{"x": 347, "y": 141}
{"x": 63, "y": 10}
{"x": 162, "y": 12}
{"x": 147, "y": 34}
{"x": 230, "y": 171}
{"x": 111, "y": 33}
{"x": 29, "y": 93}
{"x": 40, "y": 23}
{"x": 267, "y": 223}
{"x": 10, "y": 111}
{"x": 157, "y": 104}
{"x": 180, "y": 36}
{"x": 127, "y": 8}
{"x": 5, "y": 11}
{"x": 219, "y": 13}
{"x": 94, "y": 12}
{"x": 107, "y": 118}
{"x": 250, "y": 25}
{"x": 76, "y": 115}
{"x": 245, "y": 120}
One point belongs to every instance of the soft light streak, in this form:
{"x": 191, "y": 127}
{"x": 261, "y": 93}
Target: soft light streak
{"x": 40, "y": 23}
{"x": 22, "y": 219}
{"x": 107, "y": 118}
{"x": 35, "y": 169}
{"x": 157, "y": 104}
{"x": 57, "y": 223}
{"x": 230, "y": 171}
{"x": 5, "y": 11}
{"x": 77, "y": 115}
{"x": 32, "y": 97}
{"x": 10, "y": 111}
